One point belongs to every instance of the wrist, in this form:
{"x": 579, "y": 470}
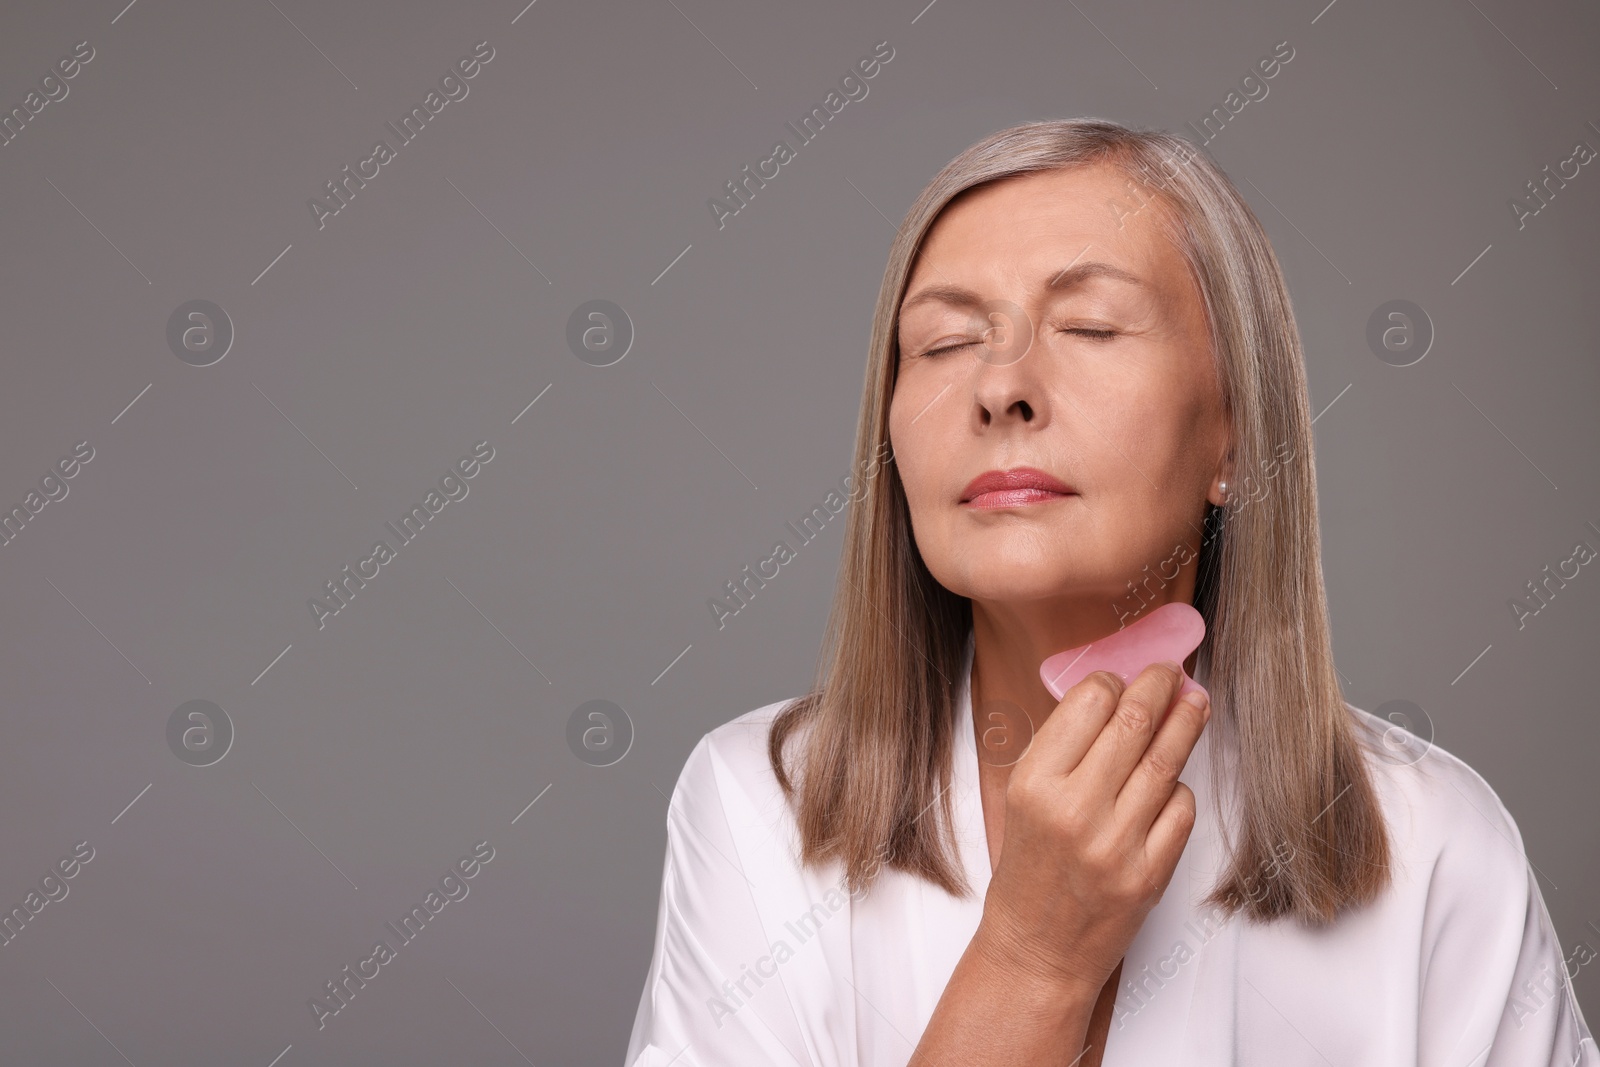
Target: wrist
{"x": 1046, "y": 985}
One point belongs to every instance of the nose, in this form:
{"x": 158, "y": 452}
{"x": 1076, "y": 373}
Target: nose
{"x": 1005, "y": 373}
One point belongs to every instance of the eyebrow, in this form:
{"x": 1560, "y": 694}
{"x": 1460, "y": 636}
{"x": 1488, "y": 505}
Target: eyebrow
{"x": 1067, "y": 278}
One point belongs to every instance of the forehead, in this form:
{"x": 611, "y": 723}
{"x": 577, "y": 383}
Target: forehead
{"x": 1014, "y": 230}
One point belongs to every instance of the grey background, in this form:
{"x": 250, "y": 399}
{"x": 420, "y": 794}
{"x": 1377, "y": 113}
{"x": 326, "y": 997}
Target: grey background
{"x": 431, "y": 711}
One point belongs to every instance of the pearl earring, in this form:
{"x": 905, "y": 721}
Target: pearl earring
{"x": 1222, "y": 487}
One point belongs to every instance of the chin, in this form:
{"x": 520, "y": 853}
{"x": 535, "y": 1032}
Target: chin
{"x": 999, "y": 581}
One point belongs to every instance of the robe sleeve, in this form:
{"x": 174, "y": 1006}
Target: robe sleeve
{"x": 704, "y": 1002}
{"x": 1495, "y": 989}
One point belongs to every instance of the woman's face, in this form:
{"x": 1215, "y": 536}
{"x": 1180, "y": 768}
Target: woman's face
{"x": 1087, "y": 358}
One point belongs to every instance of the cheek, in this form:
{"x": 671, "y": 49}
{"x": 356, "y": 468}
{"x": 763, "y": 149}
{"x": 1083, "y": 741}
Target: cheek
{"x": 1175, "y": 452}
{"x": 909, "y": 442}
{"x": 1163, "y": 415}
{"x": 1165, "y": 444}
{"x": 923, "y": 446}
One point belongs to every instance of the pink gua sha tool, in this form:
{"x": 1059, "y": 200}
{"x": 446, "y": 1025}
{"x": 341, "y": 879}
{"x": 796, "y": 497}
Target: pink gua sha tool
{"x": 1170, "y": 632}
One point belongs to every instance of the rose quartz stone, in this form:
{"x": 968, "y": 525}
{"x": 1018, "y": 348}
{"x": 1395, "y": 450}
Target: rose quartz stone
{"x": 1171, "y": 632}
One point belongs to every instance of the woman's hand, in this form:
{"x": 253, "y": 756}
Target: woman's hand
{"x": 1095, "y": 821}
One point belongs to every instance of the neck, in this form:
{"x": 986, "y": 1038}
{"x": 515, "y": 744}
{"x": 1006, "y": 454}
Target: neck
{"x": 1011, "y": 640}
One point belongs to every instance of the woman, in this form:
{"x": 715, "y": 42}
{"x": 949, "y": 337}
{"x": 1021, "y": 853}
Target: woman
{"x": 1082, "y": 341}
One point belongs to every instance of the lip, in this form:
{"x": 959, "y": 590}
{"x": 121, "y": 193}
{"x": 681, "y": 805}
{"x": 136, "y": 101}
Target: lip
{"x": 1014, "y": 488}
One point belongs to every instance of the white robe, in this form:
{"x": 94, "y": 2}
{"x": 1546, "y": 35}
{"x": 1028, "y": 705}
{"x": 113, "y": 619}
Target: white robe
{"x": 758, "y": 961}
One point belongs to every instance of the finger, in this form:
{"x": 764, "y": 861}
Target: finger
{"x": 1126, "y": 735}
{"x": 1170, "y": 833}
{"x": 1151, "y": 781}
{"x": 1060, "y": 743}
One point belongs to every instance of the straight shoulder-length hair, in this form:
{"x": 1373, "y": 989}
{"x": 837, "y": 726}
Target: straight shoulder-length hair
{"x": 870, "y": 787}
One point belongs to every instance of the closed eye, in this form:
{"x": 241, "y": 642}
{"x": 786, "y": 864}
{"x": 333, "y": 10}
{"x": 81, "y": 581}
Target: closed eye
{"x": 951, "y": 348}
{"x": 1082, "y": 331}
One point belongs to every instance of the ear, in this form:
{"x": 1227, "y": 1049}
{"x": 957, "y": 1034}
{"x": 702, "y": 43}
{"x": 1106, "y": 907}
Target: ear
{"x": 1222, "y": 484}
{"x": 1221, "y": 489}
